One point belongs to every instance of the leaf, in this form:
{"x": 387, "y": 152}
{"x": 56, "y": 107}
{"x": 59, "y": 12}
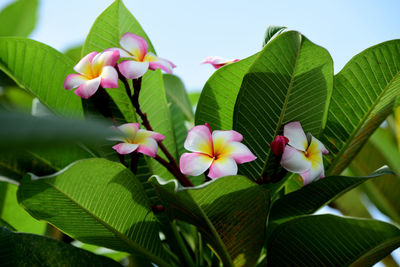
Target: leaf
{"x": 194, "y": 98}
{"x": 20, "y": 249}
{"x": 217, "y": 99}
{"x": 74, "y": 53}
{"x": 41, "y": 70}
{"x": 180, "y": 109}
{"x": 364, "y": 93}
{"x": 12, "y": 213}
{"x": 327, "y": 240}
{"x": 97, "y": 202}
{"x": 383, "y": 193}
{"x": 271, "y": 32}
{"x": 20, "y": 131}
{"x": 230, "y": 212}
{"x": 154, "y": 103}
{"x": 290, "y": 80}
{"x": 106, "y": 32}
{"x": 19, "y": 18}
{"x": 317, "y": 194}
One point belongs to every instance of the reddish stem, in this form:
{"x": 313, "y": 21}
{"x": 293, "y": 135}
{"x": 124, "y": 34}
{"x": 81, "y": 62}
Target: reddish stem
{"x": 172, "y": 165}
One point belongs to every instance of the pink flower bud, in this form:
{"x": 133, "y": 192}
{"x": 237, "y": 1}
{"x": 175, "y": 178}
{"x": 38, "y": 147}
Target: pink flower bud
{"x": 278, "y": 145}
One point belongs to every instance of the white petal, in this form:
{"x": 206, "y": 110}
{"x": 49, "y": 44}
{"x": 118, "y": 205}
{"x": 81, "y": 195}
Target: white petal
{"x": 223, "y": 166}
{"x": 297, "y": 138}
{"x": 294, "y": 160}
{"x": 194, "y": 164}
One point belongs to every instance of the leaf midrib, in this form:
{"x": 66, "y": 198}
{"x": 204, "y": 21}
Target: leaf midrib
{"x": 129, "y": 242}
{"x": 283, "y": 111}
{"x": 363, "y": 120}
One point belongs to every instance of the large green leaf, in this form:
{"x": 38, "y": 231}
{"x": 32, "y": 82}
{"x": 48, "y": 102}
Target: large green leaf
{"x": 317, "y": 194}
{"x": 231, "y": 213}
{"x": 106, "y": 32}
{"x": 19, "y": 249}
{"x": 41, "y": 70}
{"x": 364, "y": 94}
{"x": 97, "y": 202}
{"x": 19, "y": 18}
{"x": 290, "y": 80}
{"x": 383, "y": 192}
{"x": 217, "y": 99}
{"x": 180, "y": 108}
{"x": 327, "y": 240}
{"x": 11, "y": 212}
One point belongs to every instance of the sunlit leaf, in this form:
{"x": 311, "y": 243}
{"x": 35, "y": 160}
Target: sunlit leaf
{"x": 218, "y": 97}
{"x": 290, "y": 80}
{"x": 97, "y": 202}
{"x": 19, "y": 18}
{"x": 363, "y": 96}
{"x": 41, "y": 70}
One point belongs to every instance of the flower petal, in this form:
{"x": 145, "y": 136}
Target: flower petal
{"x": 199, "y": 140}
{"x": 230, "y": 135}
{"x": 109, "y": 77}
{"x": 147, "y": 146}
{"x": 135, "y": 45}
{"x": 223, "y": 166}
{"x": 320, "y": 146}
{"x": 129, "y": 129}
{"x": 194, "y": 164}
{"x": 294, "y": 160}
{"x": 297, "y": 138}
{"x": 122, "y": 52}
{"x": 84, "y": 66}
{"x": 133, "y": 69}
{"x": 106, "y": 58}
{"x": 239, "y": 152}
{"x": 218, "y": 62}
{"x": 125, "y": 148}
{"x": 144, "y": 134}
{"x": 74, "y": 80}
{"x": 314, "y": 173}
{"x": 88, "y": 88}
{"x": 221, "y": 140}
{"x": 159, "y": 63}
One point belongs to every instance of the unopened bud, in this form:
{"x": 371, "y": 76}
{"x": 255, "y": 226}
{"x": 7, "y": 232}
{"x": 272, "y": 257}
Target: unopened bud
{"x": 278, "y": 145}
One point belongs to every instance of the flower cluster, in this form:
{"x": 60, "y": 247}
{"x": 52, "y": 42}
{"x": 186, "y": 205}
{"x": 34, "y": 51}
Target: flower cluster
{"x": 218, "y": 152}
{"x": 101, "y": 69}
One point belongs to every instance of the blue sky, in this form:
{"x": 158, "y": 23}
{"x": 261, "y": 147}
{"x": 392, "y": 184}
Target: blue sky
{"x": 187, "y": 31}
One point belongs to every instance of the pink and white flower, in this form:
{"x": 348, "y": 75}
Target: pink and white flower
{"x": 218, "y": 62}
{"x": 94, "y": 70}
{"x": 139, "y": 60}
{"x": 303, "y": 154}
{"x": 219, "y": 151}
{"x": 138, "y": 140}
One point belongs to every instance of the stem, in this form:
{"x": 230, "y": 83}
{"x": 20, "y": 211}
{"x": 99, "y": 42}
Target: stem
{"x": 172, "y": 165}
{"x": 183, "y": 249}
{"x": 134, "y": 162}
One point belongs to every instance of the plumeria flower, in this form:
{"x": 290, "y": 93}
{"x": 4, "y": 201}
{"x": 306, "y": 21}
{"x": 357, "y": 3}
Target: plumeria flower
{"x": 94, "y": 70}
{"x": 138, "y": 140}
{"x": 219, "y": 151}
{"x": 134, "y": 49}
{"x": 218, "y": 62}
{"x": 303, "y": 154}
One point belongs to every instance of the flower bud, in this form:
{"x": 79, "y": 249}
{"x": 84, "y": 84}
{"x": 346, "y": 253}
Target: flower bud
{"x": 278, "y": 145}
